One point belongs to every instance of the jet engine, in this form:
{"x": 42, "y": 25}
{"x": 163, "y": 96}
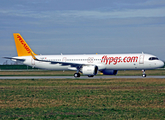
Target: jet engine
{"x": 109, "y": 72}
{"x": 89, "y": 70}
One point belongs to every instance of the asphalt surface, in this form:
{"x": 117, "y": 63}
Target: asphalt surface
{"x": 72, "y": 77}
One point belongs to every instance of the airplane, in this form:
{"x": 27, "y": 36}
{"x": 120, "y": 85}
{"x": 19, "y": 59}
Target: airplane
{"x": 89, "y": 65}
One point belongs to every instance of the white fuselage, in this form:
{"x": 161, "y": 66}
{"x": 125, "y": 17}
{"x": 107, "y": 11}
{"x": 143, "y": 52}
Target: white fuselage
{"x": 102, "y": 61}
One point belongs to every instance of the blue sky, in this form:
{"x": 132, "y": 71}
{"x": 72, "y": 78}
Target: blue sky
{"x": 84, "y": 26}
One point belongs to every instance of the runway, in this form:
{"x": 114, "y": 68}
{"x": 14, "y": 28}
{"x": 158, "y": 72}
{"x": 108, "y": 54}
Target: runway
{"x": 71, "y": 77}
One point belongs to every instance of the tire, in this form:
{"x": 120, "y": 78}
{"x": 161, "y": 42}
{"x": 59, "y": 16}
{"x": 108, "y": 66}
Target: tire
{"x": 77, "y": 75}
{"x": 144, "y": 75}
{"x": 90, "y": 75}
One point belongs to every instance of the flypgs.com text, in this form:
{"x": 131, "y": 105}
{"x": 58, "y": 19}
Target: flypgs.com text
{"x": 115, "y": 60}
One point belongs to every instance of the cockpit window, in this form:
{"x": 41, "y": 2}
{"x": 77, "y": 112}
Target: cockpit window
{"x": 153, "y": 58}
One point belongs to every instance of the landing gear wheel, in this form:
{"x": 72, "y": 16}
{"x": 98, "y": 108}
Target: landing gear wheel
{"x": 90, "y": 75}
{"x": 77, "y": 75}
{"x": 144, "y": 75}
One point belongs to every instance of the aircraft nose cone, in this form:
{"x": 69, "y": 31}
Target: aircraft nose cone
{"x": 161, "y": 64}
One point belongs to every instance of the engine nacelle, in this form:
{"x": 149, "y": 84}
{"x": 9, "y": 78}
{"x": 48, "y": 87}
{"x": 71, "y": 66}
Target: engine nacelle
{"x": 109, "y": 72}
{"x": 89, "y": 70}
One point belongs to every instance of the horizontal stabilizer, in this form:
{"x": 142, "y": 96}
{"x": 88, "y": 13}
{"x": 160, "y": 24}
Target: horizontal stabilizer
{"x": 12, "y": 58}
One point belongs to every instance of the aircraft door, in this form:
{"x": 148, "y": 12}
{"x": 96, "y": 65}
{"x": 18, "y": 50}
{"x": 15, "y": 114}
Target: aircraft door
{"x": 141, "y": 59}
{"x": 64, "y": 59}
{"x": 33, "y": 62}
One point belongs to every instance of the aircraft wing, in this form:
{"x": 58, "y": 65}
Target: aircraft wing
{"x": 12, "y": 58}
{"x": 62, "y": 63}
{"x": 55, "y": 62}
{"x": 66, "y": 63}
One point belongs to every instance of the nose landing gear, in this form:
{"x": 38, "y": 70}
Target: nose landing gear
{"x": 144, "y": 75}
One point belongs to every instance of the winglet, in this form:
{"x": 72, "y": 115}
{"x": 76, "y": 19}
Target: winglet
{"x": 22, "y": 47}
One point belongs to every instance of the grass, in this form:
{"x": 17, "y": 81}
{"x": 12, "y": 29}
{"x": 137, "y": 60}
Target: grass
{"x": 82, "y": 99}
{"x": 71, "y": 73}
{"x": 37, "y": 73}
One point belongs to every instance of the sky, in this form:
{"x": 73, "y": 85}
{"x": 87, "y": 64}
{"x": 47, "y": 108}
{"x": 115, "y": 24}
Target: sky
{"x": 84, "y": 26}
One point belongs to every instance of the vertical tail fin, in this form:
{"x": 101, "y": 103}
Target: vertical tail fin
{"x": 22, "y": 47}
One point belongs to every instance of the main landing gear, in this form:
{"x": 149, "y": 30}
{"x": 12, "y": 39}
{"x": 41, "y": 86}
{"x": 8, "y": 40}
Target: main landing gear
{"x": 77, "y": 75}
{"x": 144, "y": 75}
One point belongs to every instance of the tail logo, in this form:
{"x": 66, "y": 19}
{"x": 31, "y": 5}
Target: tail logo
{"x": 24, "y": 43}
